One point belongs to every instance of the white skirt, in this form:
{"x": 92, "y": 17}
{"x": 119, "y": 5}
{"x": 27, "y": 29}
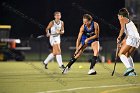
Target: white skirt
{"x": 133, "y": 41}
{"x": 54, "y": 40}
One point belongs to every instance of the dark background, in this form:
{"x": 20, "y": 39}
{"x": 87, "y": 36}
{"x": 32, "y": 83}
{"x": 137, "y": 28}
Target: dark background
{"x": 42, "y": 12}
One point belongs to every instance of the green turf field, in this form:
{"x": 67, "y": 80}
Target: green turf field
{"x": 31, "y": 77}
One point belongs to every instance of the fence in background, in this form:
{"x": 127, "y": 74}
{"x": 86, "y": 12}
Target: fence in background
{"x": 40, "y": 48}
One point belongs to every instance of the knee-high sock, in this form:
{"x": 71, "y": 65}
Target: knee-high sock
{"x": 59, "y": 60}
{"x": 130, "y": 59}
{"x": 93, "y": 62}
{"x": 49, "y": 58}
{"x": 72, "y": 60}
{"x": 125, "y": 61}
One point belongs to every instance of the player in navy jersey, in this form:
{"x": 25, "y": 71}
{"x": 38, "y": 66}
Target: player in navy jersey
{"x": 88, "y": 36}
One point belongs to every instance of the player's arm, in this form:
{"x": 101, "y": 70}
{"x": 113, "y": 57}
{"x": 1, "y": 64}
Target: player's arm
{"x": 96, "y": 27}
{"x": 122, "y": 23}
{"x": 62, "y": 28}
{"x": 79, "y": 36}
{"x": 49, "y": 27}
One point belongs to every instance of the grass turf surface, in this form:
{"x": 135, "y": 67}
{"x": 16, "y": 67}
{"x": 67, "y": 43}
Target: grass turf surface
{"x": 31, "y": 77}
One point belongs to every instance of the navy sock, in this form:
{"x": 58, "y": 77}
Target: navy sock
{"x": 72, "y": 60}
{"x": 93, "y": 62}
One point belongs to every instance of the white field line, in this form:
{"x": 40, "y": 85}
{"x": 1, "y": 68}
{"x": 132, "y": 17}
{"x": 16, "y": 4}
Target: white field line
{"x": 81, "y": 88}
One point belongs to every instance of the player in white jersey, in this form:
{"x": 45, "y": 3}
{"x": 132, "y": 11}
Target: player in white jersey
{"x": 54, "y": 30}
{"x": 130, "y": 43}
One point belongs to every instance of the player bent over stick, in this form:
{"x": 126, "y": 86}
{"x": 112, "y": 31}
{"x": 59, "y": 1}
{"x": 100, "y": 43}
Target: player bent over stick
{"x": 130, "y": 43}
{"x": 56, "y": 28}
{"x": 88, "y": 35}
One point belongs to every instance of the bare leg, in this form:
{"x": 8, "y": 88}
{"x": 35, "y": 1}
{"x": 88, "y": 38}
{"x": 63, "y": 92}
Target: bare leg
{"x": 95, "y": 46}
{"x": 122, "y": 54}
{"x": 124, "y": 49}
{"x": 130, "y": 59}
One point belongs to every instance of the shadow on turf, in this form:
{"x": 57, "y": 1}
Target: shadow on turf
{"x": 126, "y": 78}
{"x": 50, "y": 75}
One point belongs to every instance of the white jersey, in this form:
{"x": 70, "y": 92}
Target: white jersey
{"x": 132, "y": 34}
{"x": 131, "y": 30}
{"x": 54, "y": 37}
{"x": 55, "y": 27}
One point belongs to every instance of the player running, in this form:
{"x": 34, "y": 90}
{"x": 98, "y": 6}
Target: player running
{"x": 56, "y": 28}
{"x": 130, "y": 43}
{"x": 88, "y": 35}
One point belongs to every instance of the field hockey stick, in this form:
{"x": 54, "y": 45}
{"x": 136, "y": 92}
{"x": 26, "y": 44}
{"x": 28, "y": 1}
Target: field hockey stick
{"x": 116, "y": 57}
{"x": 42, "y": 36}
{"x": 79, "y": 49}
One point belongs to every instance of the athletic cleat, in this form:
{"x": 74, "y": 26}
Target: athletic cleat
{"x": 62, "y": 67}
{"x": 92, "y": 72}
{"x": 129, "y": 70}
{"x": 132, "y": 74}
{"x": 66, "y": 69}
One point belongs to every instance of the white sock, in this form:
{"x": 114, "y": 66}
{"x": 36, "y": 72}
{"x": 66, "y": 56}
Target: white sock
{"x": 59, "y": 60}
{"x": 125, "y": 61}
{"x": 130, "y": 59}
{"x": 49, "y": 58}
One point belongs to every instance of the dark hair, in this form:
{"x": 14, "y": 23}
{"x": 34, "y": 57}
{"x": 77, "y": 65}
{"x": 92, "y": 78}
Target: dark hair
{"x": 124, "y": 12}
{"x": 88, "y": 17}
{"x": 57, "y": 12}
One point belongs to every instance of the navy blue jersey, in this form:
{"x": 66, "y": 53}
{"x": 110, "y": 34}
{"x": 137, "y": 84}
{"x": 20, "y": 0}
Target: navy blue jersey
{"x": 88, "y": 33}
